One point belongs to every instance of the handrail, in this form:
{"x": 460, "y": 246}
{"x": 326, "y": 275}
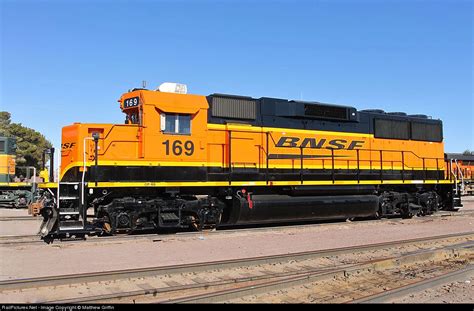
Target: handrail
{"x": 83, "y": 171}
{"x": 369, "y": 150}
{"x": 409, "y": 151}
{"x": 358, "y": 160}
{"x": 461, "y": 175}
{"x": 28, "y": 179}
{"x": 106, "y": 135}
{"x": 402, "y": 152}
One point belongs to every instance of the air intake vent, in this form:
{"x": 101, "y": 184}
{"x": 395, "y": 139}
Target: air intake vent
{"x": 401, "y": 114}
{"x": 233, "y": 107}
{"x": 427, "y": 131}
{"x": 419, "y": 116}
{"x": 325, "y": 112}
{"x": 373, "y": 110}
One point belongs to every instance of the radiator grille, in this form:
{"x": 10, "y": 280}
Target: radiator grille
{"x": 327, "y": 112}
{"x": 234, "y": 108}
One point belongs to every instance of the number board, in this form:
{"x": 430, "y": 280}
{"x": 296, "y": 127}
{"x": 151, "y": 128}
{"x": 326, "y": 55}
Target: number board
{"x": 131, "y": 102}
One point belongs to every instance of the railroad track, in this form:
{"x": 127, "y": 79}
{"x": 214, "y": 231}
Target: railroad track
{"x": 232, "y": 279}
{"x": 13, "y": 240}
{"x": 19, "y": 218}
{"x": 156, "y": 237}
{"x": 319, "y": 278}
{"x": 418, "y": 286}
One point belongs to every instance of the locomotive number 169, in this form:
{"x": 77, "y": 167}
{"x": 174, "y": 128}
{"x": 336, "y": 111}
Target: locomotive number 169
{"x": 177, "y": 147}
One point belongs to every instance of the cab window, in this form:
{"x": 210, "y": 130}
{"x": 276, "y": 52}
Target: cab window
{"x": 176, "y": 123}
{"x": 132, "y": 117}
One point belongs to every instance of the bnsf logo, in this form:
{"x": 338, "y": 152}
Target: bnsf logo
{"x": 68, "y": 145}
{"x": 313, "y": 143}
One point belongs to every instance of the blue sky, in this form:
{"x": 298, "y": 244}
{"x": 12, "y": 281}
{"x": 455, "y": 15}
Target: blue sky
{"x": 69, "y": 61}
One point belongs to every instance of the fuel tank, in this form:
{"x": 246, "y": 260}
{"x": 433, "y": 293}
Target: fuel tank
{"x": 278, "y": 208}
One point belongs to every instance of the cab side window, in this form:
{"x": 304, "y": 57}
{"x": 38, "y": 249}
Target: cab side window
{"x": 132, "y": 118}
{"x": 184, "y": 124}
{"x": 176, "y": 123}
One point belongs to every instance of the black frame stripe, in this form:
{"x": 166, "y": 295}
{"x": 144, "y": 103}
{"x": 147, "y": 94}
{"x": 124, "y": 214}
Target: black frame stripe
{"x": 200, "y": 174}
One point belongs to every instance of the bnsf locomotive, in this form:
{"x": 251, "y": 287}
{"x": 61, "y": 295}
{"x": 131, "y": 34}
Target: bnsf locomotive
{"x": 462, "y": 166}
{"x": 191, "y": 161}
{"x": 17, "y": 183}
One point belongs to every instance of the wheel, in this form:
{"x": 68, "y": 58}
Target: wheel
{"x": 195, "y": 224}
{"x": 378, "y": 215}
{"x": 107, "y": 227}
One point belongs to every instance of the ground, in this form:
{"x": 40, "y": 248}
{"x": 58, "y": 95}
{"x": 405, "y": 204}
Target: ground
{"x": 33, "y": 260}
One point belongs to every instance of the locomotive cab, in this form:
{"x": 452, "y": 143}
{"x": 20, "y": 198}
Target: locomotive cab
{"x": 160, "y": 127}
{"x": 163, "y": 131}
{"x": 7, "y": 159}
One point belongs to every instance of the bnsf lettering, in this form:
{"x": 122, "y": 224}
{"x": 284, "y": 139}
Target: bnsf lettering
{"x": 287, "y": 142}
{"x": 337, "y": 144}
{"x": 68, "y": 145}
{"x": 355, "y": 144}
{"x": 313, "y": 143}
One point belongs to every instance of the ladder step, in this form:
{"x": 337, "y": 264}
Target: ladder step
{"x": 71, "y": 228}
{"x": 68, "y": 197}
{"x": 71, "y": 225}
{"x": 169, "y": 217}
{"x": 68, "y": 209}
{"x": 68, "y": 213}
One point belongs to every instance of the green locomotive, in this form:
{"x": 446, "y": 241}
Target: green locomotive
{"x": 17, "y": 183}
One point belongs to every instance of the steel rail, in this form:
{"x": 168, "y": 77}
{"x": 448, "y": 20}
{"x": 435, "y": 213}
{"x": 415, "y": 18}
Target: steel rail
{"x": 204, "y": 285}
{"x": 268, "y": 282}
{"x": 213, "y": 265}
{"x": 12, "y": 218}
{"x": 419, "y": 286}
{"x": 228, "y": 294}
{"x": 34, "y": 239}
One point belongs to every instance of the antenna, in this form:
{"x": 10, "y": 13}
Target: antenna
{"x": 144, "y": 84}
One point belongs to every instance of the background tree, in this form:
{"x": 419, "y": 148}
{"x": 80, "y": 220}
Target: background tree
{"x": 30, "y": 143}
{"x": 468, "y": 152}
{"x": 4, "y": 123}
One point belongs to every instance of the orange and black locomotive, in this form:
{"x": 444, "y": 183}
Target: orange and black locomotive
{"x": 182, "y": 160}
